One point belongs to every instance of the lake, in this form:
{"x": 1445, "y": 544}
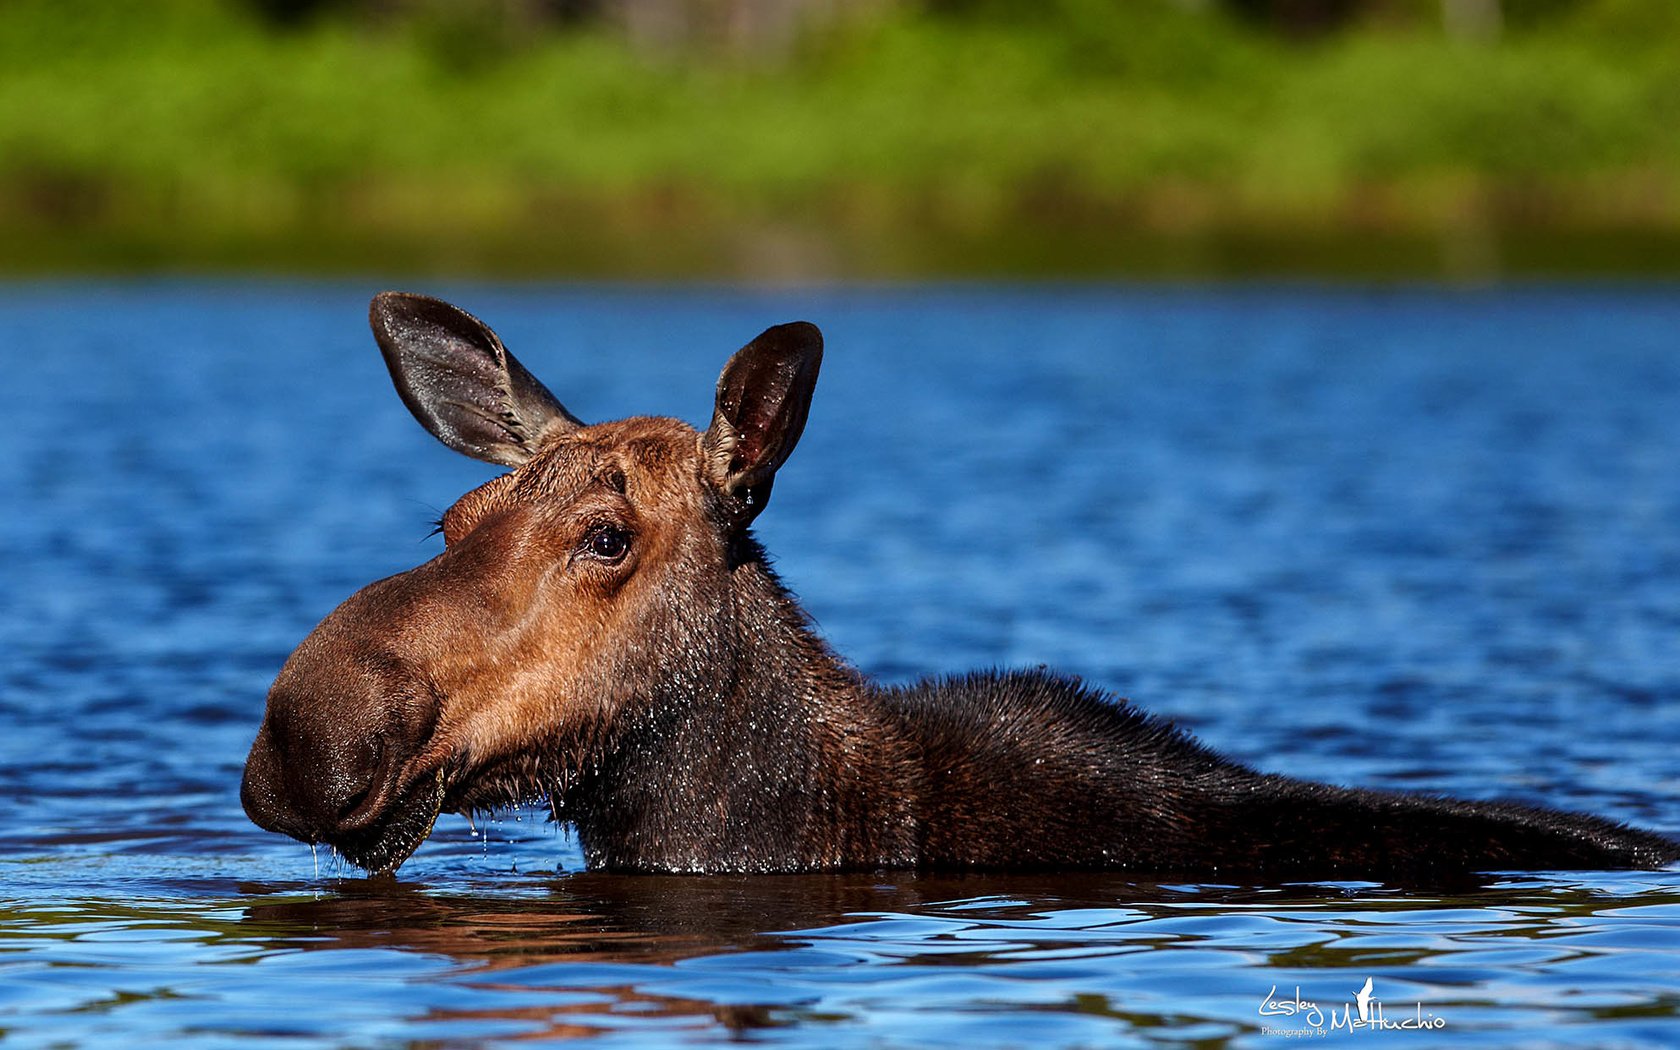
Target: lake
{"x": 1412, "y": 538}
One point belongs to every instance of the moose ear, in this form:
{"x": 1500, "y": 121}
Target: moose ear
{"x": 763, "y": 398}
{"x": 461, "y": 383}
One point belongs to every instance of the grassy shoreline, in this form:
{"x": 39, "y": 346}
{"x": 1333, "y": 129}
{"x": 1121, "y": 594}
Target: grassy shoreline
{"x": 770, "y": 254}
{"x": 186, "y": 135}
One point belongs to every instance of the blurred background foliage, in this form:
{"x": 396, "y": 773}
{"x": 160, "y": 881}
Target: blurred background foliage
{"x": 815, "y": 138}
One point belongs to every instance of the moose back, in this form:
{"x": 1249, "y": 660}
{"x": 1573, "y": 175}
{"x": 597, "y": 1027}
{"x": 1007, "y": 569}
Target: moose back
{"x": 603, "y": 630}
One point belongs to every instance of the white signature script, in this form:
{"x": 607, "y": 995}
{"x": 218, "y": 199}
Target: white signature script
{"x": 1365, "y": 1011}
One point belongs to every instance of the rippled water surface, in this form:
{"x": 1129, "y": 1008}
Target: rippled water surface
{"x": 1414, "y": 539}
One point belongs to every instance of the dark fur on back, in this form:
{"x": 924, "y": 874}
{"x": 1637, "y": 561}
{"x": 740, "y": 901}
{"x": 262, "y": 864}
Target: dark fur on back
{"x": 1085, "y": 781}
{"x": 1063, "y": 776}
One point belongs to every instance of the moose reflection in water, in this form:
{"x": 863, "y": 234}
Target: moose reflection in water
{"x": 571, "y": 954}
{"x": 578, "y": 952}
{"x": 603, "y": 630}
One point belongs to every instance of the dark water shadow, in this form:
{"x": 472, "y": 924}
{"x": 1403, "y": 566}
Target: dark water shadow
{"x": 651, "y": 918}
{"x": 662, "y": 919}
{"x": 590, "y": 944}
{"x": 587, "y": 940}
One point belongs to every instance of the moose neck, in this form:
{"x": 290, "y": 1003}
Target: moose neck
{"x": 782, "y": 760}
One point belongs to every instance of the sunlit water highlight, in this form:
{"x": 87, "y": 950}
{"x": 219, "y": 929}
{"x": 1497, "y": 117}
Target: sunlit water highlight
{"x": 1414, "y": 539}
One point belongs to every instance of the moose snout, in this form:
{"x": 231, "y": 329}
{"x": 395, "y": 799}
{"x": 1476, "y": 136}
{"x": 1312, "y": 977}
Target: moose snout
{"x": 315, "y": 780}
{"x": 344, "y": 721}
{"x": 347, "y": 716}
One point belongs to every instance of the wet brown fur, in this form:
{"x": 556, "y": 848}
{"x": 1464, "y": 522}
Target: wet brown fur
{"x": 676, "y": 706}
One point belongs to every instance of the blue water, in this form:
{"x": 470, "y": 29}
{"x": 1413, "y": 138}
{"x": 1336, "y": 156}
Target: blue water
{"x": 1413, "y": 539}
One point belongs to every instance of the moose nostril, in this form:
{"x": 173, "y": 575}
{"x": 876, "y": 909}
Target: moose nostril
{"x": 354, "y": 802}
{"x": 373, "y": 772}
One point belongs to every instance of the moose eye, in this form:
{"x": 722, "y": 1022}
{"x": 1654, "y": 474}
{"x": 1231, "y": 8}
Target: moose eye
{"x": 608, "y": 542}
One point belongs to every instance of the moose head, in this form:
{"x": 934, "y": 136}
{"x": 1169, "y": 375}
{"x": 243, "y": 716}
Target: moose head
{"x": 593, "y": 590}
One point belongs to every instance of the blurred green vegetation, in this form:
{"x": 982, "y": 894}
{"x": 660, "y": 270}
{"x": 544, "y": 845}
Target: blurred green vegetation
{"x": 890, "y": 138}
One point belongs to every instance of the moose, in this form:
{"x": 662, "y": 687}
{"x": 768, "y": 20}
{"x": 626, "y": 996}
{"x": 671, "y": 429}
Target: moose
{"x": 602, "y": 629}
